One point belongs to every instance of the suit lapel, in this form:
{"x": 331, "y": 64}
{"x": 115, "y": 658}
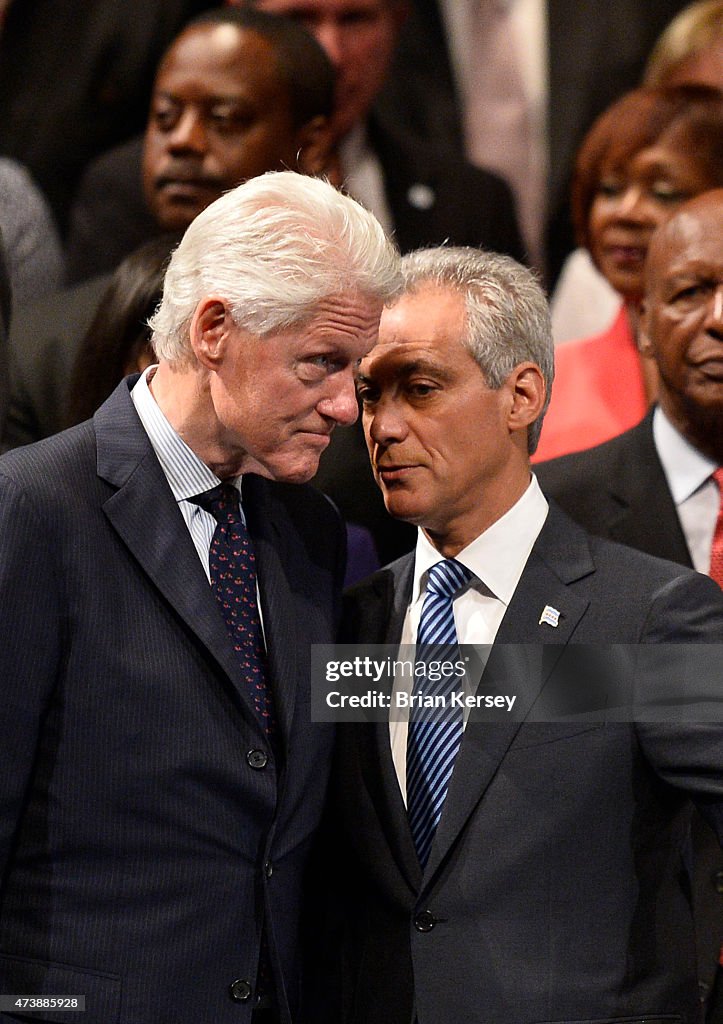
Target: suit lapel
{"x": 382, "y": 619}
{"x": 560, "y": 556}
{"x": 638, "y": 486}
{"x": 144, "y": 513}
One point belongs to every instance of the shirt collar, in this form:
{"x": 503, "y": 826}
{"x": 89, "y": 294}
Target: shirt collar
{"x": 498, "y": 556}
{"x": 686, "y": 469}
{"x": 187, "y": 475}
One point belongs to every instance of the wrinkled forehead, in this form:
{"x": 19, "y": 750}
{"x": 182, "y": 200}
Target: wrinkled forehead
{"x": 431, "y": 314}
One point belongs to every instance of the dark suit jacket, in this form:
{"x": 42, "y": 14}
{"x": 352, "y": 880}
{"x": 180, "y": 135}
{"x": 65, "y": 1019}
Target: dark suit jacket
{"x": 5, "y": 309}
{"x": 597, "y": 51}
{"x": 76, "y": 78}
{"x": 618, "y": 490}
{"x": 146, "y": 826}
{"x": 432, "y": 193}
{"x": 555, "y": 888}
{"x": 42, "y": 345}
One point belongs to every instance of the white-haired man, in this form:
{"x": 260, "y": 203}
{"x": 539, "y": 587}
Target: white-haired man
{"x": 161, "y": 779}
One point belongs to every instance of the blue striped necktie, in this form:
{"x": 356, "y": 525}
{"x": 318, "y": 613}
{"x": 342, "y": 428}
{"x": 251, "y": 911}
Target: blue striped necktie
{"x": 233, "y": 579}
{"x": 434, "y": 738}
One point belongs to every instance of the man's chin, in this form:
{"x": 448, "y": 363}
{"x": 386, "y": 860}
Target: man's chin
{"x": 298, "y": 472}
{"x": 402, "y": 505}
{"x": 174, "y": 218}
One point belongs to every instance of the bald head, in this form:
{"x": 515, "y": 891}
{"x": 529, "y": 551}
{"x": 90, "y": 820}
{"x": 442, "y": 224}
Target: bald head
{"x": 682, "y": 319}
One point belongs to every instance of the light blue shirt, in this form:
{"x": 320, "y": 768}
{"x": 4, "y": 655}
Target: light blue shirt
{"x": 187, "y": 475}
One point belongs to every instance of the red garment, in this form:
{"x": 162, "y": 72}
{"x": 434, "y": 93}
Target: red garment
{"x": 598, "y": 391}
{"x": 716, "y": 551}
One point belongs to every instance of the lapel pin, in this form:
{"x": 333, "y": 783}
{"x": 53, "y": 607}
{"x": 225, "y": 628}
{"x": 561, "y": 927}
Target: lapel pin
{"x": 421, "y": 196}
{"x": 550, "y": 615}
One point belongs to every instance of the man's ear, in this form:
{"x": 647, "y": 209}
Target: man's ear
{"x": 315, "y": 147}
{"x": 209, "y": 331}
{"x": 527, "y": 393}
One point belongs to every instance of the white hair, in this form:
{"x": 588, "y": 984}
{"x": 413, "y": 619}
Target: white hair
{"x": 506, "y": 311}
{"x": 273, "y": 248}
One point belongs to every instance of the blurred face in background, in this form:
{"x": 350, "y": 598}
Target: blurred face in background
{"x": 635, "y": 198}
{"x": 359, "y": 37}
{"x": 682, "y": 319}
{"x": 220, "y": 113}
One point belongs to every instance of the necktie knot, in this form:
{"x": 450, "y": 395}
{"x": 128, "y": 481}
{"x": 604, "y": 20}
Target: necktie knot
{"x": 222, "y": 502}
{"x": 447, "y": 577}
{"x": 717, "y": 475}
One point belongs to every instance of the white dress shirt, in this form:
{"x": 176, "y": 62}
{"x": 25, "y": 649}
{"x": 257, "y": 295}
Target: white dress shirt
{"x": 695, "y": 494}
{"x": 529, "y": 50}
{"x": 363, "y": 176}
{"x": 497, "y": 559}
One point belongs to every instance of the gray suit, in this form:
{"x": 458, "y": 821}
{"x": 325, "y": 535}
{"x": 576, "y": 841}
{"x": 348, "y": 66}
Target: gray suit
{"x": 556, "y": 887}
{"x": 619, "y": 490}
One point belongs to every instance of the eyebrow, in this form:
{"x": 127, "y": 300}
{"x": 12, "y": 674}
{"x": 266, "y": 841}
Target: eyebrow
{"x": 408, "y": 369}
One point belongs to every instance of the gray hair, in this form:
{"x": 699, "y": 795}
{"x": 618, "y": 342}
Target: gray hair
{"x": 273, "y": 248}
{"x": 507, "y": 315}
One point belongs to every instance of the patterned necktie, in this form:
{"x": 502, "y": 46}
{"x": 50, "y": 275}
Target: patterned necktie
{"x": 233, "y": 579}
{"x": 716, "y": 552}
{"x": 434, "y": 739}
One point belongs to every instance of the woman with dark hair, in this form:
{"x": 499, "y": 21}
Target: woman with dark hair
{"x": 118, "y": 340}
{"x": 645, "y": 155}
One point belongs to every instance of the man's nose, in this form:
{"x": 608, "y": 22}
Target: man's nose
{"x": 384, "y": 423}
{"x": 340, "y": 403}
{"x": 330, "y": 37}
{"x": 189, "y": 133}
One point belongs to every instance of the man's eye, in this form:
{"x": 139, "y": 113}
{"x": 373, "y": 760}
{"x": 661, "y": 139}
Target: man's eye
{"x": 224, "y": 120}
{"x": 316, "y": 368}
{"x": 366, "y": 395}
{"x": 421, "y": 390}
{"x": 354, "y": 19}
{"x": 166, "y": 118}
{"x": 691, "y": 292}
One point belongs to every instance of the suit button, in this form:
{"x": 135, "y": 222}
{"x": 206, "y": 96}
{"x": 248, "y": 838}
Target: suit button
{"x": 425, "y": 921}
{"x": 257, "y": 759}
{"x": 240, "y": 990}
{"x": 718, "y": 882}
{"x": 268, "y": 869}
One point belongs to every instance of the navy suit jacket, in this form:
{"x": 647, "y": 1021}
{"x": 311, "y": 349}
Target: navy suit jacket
{"x": 147, "y": 828}
{"x": 555, "y": 889}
